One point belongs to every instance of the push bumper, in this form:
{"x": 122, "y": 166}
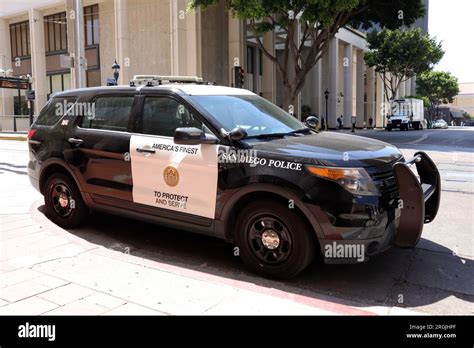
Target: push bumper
{"x": 419, "y": 197}
{"x": 418, "y": 204}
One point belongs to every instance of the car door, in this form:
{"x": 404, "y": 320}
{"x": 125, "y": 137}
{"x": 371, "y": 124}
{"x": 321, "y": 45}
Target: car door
{"x": 100, "y": 143}
{"x": 180, "y": 179}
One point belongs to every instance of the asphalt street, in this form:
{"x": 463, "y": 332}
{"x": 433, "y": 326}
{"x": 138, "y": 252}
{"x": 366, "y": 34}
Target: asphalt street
{"x": 436, "y": 277}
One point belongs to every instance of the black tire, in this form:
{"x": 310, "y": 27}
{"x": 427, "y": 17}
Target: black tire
{"x": 417, "y": 126}
{"x": 296, "y": 247}
{"x": 389, "y": 128}
{"x": 64, "y": 202}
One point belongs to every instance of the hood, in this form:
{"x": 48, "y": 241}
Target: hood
{"x": 329, "y": 149}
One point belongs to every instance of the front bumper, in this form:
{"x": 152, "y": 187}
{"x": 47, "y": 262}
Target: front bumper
{"x": 419, "y": 198}
{"x": 418, "y": 204}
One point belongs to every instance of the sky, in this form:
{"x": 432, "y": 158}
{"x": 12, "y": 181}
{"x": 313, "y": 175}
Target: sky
{"x": 452, "y": 22}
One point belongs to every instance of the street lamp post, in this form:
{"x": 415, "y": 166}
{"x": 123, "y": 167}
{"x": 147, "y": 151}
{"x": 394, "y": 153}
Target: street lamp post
{"x": 116, "y": 69}
{"x": 326, "y": 96}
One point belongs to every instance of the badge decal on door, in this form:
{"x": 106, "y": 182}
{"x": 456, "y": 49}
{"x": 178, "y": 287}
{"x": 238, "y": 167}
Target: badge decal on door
{"x": 176, "y": 177}
{"x": 171, "y": 176}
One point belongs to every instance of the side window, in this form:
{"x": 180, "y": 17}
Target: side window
{"x": 161, "y": 116}
{"x": 54, "y": 111}
{"x": 110, "y": 113}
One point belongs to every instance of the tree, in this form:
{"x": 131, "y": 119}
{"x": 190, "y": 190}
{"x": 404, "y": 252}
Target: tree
{"x": 439, "y": 87}
{"x": 398, "y": 55}
{"x": 319, "y": 21}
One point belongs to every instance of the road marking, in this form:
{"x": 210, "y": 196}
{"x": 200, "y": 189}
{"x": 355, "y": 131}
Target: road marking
{"x": 423, "y": 137}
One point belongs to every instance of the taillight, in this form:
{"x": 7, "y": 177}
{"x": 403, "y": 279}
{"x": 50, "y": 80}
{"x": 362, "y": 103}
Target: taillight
{"x": 31, "y": 133}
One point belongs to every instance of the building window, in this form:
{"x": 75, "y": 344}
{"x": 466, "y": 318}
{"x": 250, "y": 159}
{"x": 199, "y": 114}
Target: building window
{"x": 91, "y": 25}
{"x": 93, "y": 77}
{"x": 58, "y": 83}
{"x": 250, "y": 59}
{"x": 20, "y": 39}
{"x": 55, "y": 32}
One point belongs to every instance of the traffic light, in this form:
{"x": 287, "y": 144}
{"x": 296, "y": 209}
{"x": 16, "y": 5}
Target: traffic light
{"x": 239, "y": 77}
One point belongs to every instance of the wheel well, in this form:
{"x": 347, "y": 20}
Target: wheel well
{"x": 253, "y": 196}
{"x": 51, "y": 169}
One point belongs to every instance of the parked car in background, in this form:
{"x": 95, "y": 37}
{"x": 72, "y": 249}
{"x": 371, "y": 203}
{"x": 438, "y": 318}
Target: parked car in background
{"x": 440, "y": 124}
{"x": 469, "y": 123}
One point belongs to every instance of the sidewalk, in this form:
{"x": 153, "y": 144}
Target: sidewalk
{"x": 45, "y": 270}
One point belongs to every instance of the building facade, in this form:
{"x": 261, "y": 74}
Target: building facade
{"x": 164, "y": 38}
{"x": 465, "y": 99}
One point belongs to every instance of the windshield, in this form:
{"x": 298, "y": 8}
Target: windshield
{"x": 254, "y": 114}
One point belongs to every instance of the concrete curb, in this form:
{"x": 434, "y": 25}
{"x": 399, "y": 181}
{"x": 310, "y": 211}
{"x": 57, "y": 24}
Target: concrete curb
{"x": 14, "y": 137}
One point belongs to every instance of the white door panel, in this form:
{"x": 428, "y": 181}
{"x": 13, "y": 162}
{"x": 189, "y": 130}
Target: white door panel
{"x": 177, "y": 177}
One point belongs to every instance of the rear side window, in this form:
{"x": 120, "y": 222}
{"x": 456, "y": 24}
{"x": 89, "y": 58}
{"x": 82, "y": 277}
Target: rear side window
{"x": 110, "y": 113}
{"x": 162, "y": 115}
{"x": 54, "y": 111}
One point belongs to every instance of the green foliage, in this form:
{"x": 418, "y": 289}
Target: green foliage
{"x": 320, "y": 20}
{"x": 439, "y": 87}
{"x": 406, "y": 52}
{"x": 400, "y": 54}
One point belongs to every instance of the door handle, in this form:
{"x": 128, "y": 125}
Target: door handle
{"x": 75, "y": 141}
{"x": 141, "y": 149}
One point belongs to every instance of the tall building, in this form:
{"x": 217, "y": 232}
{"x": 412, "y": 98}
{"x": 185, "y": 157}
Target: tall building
{"x": 163, "y": 38}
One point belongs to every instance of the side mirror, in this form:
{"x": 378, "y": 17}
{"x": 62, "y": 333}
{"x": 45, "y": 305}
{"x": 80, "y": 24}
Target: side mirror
{"x": 312, "y": 122}
{"x": 237, "y": 134}
{"x": 193, "y": 136}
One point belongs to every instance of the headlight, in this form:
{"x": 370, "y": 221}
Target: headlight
{"x": 354, "y": 180}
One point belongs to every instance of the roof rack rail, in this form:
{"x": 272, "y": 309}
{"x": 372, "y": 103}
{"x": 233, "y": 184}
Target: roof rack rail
{"x": 156, "y": 80}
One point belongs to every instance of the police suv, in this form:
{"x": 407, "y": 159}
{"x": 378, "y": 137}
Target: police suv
{"x": 227, "y": 163}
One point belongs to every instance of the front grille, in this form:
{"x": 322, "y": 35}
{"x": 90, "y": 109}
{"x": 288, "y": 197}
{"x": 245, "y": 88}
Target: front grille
{"x": 396, "y": 122}
{"x": 385, "y": 181}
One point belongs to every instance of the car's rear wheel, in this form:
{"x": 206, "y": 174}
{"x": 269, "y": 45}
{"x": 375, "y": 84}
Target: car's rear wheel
{"x": 64, "y": 202}
{"x": 273, "y": 240}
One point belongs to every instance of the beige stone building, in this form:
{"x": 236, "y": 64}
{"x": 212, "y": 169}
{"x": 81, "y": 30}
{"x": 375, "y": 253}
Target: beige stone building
{"x": 465, "y": 99}
{"x": 162, "y": 37}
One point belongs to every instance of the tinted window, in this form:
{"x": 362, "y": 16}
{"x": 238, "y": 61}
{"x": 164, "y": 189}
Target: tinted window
{"x": 161, "y": 116}
{"x": 111, "y": 113}
{"x": 54, "y": 111}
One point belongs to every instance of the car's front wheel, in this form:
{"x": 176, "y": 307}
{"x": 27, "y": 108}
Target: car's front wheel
{"x": 274, "y": 241}
{"x": 64, "y": 202}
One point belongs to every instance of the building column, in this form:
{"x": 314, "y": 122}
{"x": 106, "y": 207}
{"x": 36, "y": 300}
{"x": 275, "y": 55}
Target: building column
{"x": 317, "y": 95}
{"x": 333, "y": 60}
{"x": 122, "y": 41}
{"x": 236, "y": 45}
{"x": 185, "y": 40}
{"x": 413, "y": 85}
{"x": 6, "y": 95}
{"x": 38, "y": 59}
{"x": 370, "y": 94}
{"x": 269, "y": 68}
{"x": 379, "y": 106}
{"x": 402, "y": 90}
{"x": 348, "y": 66}
{"x": 360, "y": 90}
{"x": 408, "y": 87}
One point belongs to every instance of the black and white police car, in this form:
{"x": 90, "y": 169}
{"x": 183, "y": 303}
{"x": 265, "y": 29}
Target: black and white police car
{"x": 227, "y": 163}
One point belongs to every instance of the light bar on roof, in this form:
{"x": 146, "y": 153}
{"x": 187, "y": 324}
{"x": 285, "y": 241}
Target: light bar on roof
{"x": 156, "y": 80}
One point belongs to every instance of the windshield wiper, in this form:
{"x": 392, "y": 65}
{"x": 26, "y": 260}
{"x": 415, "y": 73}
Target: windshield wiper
{"x": 281, "y": 135}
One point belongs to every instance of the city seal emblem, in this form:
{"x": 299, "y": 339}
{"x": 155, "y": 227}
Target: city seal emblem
{"x": 171, "y": 176}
